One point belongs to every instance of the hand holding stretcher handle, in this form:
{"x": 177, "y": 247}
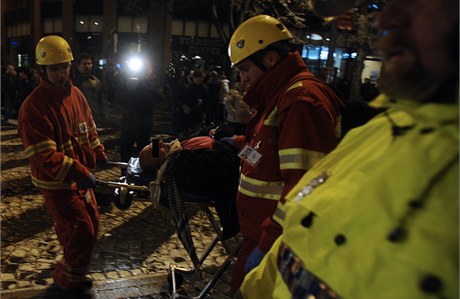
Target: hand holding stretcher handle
{"x": 87, "y": 182}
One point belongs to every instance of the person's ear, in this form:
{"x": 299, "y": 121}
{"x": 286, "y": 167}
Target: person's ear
{"x": 271, "y": 59}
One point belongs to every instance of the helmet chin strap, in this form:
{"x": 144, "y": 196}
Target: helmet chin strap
{"x": 44, "y": 75}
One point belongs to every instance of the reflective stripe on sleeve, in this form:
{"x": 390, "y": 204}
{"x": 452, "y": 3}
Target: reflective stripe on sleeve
{"x": 271, "y": 119}
{"x": 280, "y": 214}
{"x": 40, "y": 147}
{"x": 95, "y": 144}
{"x": 66, "y": 147}
{"x": 261, "y": 189}
{"x": 51, "y": 185}
{"x": 299, "y": 158}
{"x": 92, "y": 129}
{"x": 83, "y": 139}
{"x": 66, "y": 164}
{"x": 338, "y": 127}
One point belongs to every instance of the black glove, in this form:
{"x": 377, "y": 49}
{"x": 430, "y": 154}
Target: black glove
{"x": 102, "y": 164}
{"x": 89, "y": 182}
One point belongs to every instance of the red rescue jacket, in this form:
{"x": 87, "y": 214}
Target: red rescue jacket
{"x": 59, "y": 136}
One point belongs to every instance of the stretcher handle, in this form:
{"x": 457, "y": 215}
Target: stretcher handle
{"x": 118, "y": 184}
{"x": 121, "y": 164}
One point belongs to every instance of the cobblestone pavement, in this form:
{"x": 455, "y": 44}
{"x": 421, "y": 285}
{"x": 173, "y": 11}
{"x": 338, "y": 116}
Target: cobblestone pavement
{"x": 134, "y": 249}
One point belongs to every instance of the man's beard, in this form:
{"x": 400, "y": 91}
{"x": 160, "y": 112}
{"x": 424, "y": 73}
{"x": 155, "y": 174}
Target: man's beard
{"x": 406, "y": 78}
{"x": 414, "y": 84}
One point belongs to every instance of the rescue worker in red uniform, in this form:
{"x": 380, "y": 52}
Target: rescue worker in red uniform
{"x": 62, "y": 145}
{"x": 297, "y": 123}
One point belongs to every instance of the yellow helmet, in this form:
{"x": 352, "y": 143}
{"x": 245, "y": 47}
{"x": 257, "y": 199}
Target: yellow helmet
{"x": 255, "y": 34}
{"x": 52, "y": 49}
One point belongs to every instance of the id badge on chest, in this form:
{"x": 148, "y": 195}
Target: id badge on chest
{"x": 250, "y": 154}
{"x": 88, "y": 196}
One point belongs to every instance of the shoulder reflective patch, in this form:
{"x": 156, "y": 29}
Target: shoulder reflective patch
{"x": 312, "y": 185}
{"x": 295, "y": 85}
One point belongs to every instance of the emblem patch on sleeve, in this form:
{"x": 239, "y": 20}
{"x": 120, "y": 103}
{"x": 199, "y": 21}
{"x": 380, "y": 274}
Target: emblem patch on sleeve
{"x": 83, "y": 128}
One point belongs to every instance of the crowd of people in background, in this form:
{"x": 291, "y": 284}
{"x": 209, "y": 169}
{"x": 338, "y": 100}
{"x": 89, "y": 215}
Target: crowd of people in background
{"x": 197, "y": 97}
{"x": 17, "y": 83}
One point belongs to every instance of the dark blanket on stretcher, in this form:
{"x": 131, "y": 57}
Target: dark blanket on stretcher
{"x": 213, "y": 174}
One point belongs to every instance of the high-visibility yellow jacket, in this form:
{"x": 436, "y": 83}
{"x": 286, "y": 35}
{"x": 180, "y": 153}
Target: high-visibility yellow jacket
{"x": 59, "y": 136}
{"x": 376, "y": 218}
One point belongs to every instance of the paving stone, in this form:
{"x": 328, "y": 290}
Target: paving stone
{"x": 8, "y": 277}
{"x": 124, "y": 274}
{"x": 23, "y": 284}
{"x": 98, "y": 276}
{"x": 136, "y": 271}
{"x": 112, "y": 275}
{"x": 19, "y": 253}
{"x": 26, "y": 268}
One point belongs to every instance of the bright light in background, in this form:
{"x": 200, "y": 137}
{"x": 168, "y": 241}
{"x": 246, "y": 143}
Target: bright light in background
{"x": 323, "y": 55}
{"x": 134, "y": 64}
{"x": 315, "y": 36}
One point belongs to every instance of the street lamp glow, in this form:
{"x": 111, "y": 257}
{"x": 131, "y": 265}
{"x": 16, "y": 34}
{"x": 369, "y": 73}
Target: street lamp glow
{"x": 135, "y": 64}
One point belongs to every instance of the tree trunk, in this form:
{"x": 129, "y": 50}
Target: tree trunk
{"x": 358, "y": 65}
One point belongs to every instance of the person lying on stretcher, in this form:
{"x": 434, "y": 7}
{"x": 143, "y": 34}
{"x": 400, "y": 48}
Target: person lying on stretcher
{"x": 204, "y": 166}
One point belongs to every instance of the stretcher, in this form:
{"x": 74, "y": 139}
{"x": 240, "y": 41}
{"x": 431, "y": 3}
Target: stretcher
{"x": 162, "y": 189}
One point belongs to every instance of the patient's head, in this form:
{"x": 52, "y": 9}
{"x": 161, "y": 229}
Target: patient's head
{"x": 150, "y": 163}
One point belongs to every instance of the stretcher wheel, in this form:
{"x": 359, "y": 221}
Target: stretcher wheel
{"x": 123, "y": 198}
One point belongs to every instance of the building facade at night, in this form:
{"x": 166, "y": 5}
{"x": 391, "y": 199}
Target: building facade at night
{"x": 168, "y": 33}
{"x": 109, "y": 30}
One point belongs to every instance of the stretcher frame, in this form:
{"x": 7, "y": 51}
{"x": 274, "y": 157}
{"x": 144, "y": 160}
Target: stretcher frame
{"x": 126, "y": 191}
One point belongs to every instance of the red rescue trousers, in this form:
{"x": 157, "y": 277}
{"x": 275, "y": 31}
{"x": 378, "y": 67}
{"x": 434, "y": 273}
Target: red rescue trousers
{"x": 252, "y": 212}
{"x": 238, "y": 273}
{"x": 76, "y": 221}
